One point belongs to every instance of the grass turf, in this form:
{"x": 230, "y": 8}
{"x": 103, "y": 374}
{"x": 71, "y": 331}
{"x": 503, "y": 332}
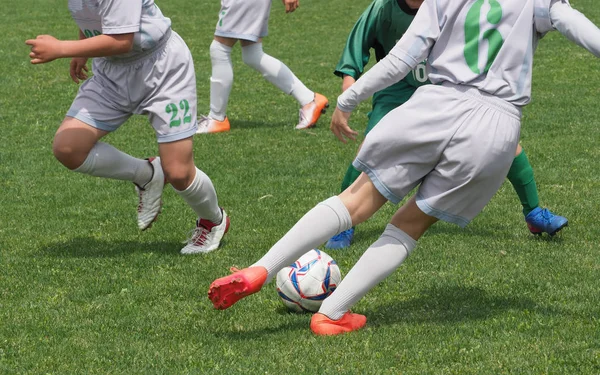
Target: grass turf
{"x": 82, "y": 291}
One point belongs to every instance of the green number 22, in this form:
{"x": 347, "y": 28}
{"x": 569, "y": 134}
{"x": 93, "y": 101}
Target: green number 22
{"x": 171, "y": 109}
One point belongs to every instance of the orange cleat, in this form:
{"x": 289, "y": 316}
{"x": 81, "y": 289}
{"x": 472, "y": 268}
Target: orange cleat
{"x": 310, "y": 113}
{"x": 320, "y": 324}
{"x": 226, "y": 291}
{"x": 210, "y": 125}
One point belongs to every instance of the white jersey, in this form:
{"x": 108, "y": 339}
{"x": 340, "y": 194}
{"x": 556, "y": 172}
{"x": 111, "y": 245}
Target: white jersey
{"x": 487, "y": 44}
{"x": 142, "y": 17}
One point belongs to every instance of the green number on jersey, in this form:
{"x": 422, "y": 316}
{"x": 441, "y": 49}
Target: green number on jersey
{"x": 171, "y": 109}
{"x": 473, "y": 31}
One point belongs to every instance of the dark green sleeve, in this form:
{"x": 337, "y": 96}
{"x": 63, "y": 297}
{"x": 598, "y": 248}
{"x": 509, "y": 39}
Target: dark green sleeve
{"x": 361, "y": 39}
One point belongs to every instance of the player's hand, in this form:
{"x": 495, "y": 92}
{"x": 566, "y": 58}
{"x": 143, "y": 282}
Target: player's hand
{"x": 78, "y": 70}
{"x": 291, "y": 5}
{"x": 44, "y": 48}
{"x": 339, "y": 126}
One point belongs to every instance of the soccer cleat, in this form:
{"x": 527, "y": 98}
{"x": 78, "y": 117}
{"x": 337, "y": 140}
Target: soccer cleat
{"x": 226, "y": 291}
{"x": 341, "y": 240}
{"x": 542, "y": 220}
{"x": 210, "y": 125}
{"x": 310, "y": 113}
{"x": 150, "y": 196}
{"x": 320, "y": 324}
{"x": 207, "y": 236}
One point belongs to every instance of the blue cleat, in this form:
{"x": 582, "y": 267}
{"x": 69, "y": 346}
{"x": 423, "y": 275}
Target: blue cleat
{"x": 341, "y": 241}
{"x": 542, "y": 220}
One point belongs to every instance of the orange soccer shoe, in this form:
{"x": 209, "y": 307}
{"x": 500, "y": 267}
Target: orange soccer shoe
{"x": 210, "y": 125}
{"x": 226, "y": 291}
{"x": 320, "y": 324}
{"x": 310, "y": 113}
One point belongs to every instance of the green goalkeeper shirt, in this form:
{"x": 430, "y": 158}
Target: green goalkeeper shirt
{"x": 379, "y": 28}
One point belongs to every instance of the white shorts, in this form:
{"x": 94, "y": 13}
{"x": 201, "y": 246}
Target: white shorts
{"x": 244, "y": 19}
{"x": 456, "y": 142}
{"x": 161, "y": 84}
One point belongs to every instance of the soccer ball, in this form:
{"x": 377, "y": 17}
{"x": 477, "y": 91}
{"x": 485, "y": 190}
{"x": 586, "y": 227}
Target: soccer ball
{"x": 308, "y": 281}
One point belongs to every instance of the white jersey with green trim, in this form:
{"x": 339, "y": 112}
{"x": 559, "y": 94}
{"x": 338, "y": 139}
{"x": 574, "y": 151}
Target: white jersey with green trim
{"x": 487, "y": 44}
{"x": 142, "y": 17}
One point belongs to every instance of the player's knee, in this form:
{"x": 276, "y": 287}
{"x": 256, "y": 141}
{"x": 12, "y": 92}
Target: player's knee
{"x": 252, "y": 56}
{"x": 178, "y": 175}
{"x": 67, "y": 154}
{"x": 219, "y": 52}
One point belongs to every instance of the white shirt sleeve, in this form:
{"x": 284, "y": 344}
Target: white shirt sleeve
{"x": 411, "y": 49}
{"x": 385, "y": 73}
{"x": 120, "y": 16}
{"x": 576, "y": 27}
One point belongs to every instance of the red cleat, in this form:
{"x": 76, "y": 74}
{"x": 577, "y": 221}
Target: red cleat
{"x": 226, "y": 291}
{"x": 320, "y": 324}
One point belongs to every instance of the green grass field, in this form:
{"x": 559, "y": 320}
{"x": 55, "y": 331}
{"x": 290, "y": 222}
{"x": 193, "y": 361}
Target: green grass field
{"x": 82, "y": 291}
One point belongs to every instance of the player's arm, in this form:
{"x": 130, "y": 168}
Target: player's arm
{"x": 412, "y": 48}
{"x": 576, "y": 27}
{"x": 356, "y": 53}
{"x": 46, "y": 48}
{"x": 77, "y": 69}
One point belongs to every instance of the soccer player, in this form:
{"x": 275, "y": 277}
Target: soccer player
{"x": 455, "y": 140}
{"x": 140, "y": 66}
{"x": 247, "y": 21}
{"x": 379, "y": 28}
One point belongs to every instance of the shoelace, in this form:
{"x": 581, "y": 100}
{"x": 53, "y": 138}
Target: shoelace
{"x": 199, "y": 236}
{"x": 140, "y": 203}
{"x": 547, "y": 216}
{"x": 204, "y": 121}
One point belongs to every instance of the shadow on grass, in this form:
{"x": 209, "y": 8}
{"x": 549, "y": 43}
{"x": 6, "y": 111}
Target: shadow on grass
{"x": 88, "y": 247}
{"x": 440, "y": 305}
{"x": 451, "y": 304}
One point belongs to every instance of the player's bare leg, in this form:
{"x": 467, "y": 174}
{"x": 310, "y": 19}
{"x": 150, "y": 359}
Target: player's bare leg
{"x": 381, "y": 259}
{"x": 359, "y": 202}
{"x": 196, "y": 188}
{"x": 76, "y": 145}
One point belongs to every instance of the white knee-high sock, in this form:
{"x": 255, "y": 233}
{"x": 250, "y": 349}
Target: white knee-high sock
{"x": 106, "y": 161}
{"x": 221, "y": 79}
{"x": 326, "y": 219}
{"x": 202, "y": 197}
{"x": 277, "y": 73}
{"x": 377, "y": 263}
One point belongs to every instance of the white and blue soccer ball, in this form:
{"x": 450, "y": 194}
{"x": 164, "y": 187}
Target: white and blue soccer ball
{"x": 304, "y": 284}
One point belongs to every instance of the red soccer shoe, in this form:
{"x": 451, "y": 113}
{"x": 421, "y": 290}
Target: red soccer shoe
{"x": 226, "y": 291}
{"x": 320, "y": 324}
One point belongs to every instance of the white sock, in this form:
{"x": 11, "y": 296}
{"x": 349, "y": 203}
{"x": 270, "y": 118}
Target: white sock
{"x": 202, "y": 197}
{"x": 106, "y": 161}
{"x": 277, "y": 73}
{"x": 221, "y": 79}
{"x": 326, "y": 219}
{"x": 377, "y": 263}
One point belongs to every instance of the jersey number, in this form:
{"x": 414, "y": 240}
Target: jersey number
{"x": 473, "y": 32}
{"x": 175, "y": 121}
